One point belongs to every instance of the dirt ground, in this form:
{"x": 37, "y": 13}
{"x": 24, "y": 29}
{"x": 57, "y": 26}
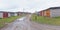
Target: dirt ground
{"x": 25, "y": 24}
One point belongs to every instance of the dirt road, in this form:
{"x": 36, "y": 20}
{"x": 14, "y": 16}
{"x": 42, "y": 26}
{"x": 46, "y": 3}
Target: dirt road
{"x": 24, "y": 24}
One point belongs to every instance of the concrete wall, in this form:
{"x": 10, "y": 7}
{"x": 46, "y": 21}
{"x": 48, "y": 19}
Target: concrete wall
{"x": 12, "y": 14}
{"x": 9, "y": 15}
{"x": 44, "y": 13}
{"x": 54, "y": 12}
{"x": 1, "y": 15}
{"x": 15, "y": 14}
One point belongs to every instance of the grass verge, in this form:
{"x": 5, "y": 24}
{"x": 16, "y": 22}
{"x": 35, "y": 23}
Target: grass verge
{"x": 7, "y": 20}
{"x": 46, "y": 20}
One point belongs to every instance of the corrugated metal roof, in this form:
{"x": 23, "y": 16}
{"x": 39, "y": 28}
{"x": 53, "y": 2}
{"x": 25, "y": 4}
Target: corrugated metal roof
{"x": 7, "y": 12}
{"x": 54, "y": 8}
{"x": 2, "y": 11}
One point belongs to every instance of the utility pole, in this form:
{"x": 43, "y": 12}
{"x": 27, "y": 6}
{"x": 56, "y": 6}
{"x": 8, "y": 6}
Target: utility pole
{"x": 23, "y": 11}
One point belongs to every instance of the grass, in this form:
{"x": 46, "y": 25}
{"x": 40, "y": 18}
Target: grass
{"x": 7, "y": 20}
{"x": 46, "y": 20}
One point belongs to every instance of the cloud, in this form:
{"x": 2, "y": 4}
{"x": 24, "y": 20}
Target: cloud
{"x": 28, "y": 5}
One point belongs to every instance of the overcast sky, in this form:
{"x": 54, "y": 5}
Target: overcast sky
{"x": 27, "y": 5}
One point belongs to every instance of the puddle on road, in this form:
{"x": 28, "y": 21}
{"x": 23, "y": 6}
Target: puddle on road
{"x": 20, "y": 24}
{"x": 20, "y": 19}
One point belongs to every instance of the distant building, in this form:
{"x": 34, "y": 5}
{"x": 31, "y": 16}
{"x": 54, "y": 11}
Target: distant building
{"x": 12, "y": 14}
{"x": 3, "y": 14}
{"x": 19, "y": 13}
{"x": 51, "y": 12}
{"x": 22, "y": 13}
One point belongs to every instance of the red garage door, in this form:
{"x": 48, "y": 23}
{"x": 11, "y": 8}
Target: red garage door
{"x": 48, "y": 13}
{"x": 40, "y": 13}
{"x": 5, "y": 15}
